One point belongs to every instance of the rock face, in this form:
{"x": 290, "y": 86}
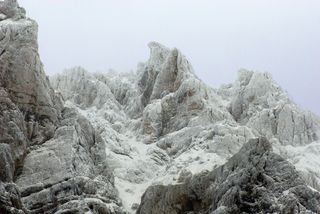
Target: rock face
{"x": 255, "y": 180}
{"x": 11, "y": 9}
{"x": 95, "y": 142}
{"x": 260, "y": 103}
{"x": 162, "y": 126}
{"x": 70, "y": 170}
{"x": 51, "y": 158}
{"x": 175, "y": 97}
{"x": 24, "y": 80}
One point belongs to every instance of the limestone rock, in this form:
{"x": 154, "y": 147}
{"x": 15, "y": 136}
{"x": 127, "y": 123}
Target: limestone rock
{"x": 53, "y": 155}
{"x": 10, "y": 199}
{"x": 94, "y": 142}
{"x": 24, "y": 80}
{"x": 162, "y": 121}
{"x": 176, "y": 95}
{"x": 21, "y": 69}
{"x": 13, "y": 142}
{"x": 11, "y": 9}
{"x": 260, "y": 103}
{"x": 68, "y": 168}
{"x": 254, "y": 180}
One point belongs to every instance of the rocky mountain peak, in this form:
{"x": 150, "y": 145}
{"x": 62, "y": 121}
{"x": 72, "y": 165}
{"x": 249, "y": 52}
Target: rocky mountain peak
{"x": 10, "y": 9}
{"x": 158, "y": 140}
{"x": 50, "y": 155}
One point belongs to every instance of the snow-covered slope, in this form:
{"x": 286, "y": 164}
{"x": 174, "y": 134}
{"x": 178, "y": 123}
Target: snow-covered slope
{"x": 97, "y": 142}
{"x": 162, "y": 124}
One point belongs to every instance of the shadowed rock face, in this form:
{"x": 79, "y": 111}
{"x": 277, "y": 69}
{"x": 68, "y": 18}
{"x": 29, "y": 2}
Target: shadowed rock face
{"x": 255, "y": 180}
{"x": 51, "y": 158}
{"x": 24, "y": 81}
{"x": 29, "y": 110}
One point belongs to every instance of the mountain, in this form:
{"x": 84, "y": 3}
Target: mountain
{"x": 157, "y": 140}
{"x": 254, "y": 180}
{"x": 52, "y": 159}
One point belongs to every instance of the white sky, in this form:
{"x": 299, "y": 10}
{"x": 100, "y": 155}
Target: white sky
{"x": 218, "y": 37}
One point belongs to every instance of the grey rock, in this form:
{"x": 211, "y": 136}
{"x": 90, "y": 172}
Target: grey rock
{"x": 98, "y": 140}
{"x": 24, "y": 80}
{"x": 10, "y": 199}
{"x": 53, "y": 155}
{"x": 70, "y": 167}
{"x": 135, "y": 206}
{"x": 193, "y": 126}
{"x": 11, "y": 9}
{"x": 13, "y": 142}
{"x": 255, "y": 180}
{"x": 21, "y": 69}
{"x": 260, "y": 103}
{"x": 13, "y": 149}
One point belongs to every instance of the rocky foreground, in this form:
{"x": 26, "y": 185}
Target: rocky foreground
{"x": 157, "y": 140}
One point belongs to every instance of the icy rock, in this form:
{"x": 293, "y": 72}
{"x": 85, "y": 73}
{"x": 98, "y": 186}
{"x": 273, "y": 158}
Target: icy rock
{"x": 97, "y": 141}
{"x": 260, "y": 103}
{"x": 158, "y": 55}
{"x": 163, "y": 119}
{"x": 254, "y": 180}
{"x": 22, "y": 72}
{"x": 175, "y": 97}
{"x": 52, "y": 153}
{"x": 10, "y": 199}
{"x": 11, "y": 9}
{"x": 30, "y": 110}
{"x": 69, "y": 167}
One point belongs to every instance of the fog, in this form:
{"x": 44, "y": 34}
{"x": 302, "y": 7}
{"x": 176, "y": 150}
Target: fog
{"x": 218, "y": 37}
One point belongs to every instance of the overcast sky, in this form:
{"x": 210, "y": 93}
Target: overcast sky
{"x": 218, "y": 37}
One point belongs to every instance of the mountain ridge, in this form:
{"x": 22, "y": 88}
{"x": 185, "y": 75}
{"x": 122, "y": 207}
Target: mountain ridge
{"x": 81, "y": 142}
{"x": 264, "y": 105}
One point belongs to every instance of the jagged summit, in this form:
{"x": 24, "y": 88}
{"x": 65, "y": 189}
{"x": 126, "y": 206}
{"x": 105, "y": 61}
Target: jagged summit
{"x": 259, "y": 102}
{"x": 170, "y": 125}
{"x": 86, "y": 142}
{"x": 10, "y": 9}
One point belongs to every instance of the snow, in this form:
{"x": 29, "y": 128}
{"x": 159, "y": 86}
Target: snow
{"x": 305, "y": 158}
{"x": 190, "y": 129}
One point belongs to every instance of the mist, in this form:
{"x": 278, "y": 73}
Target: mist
{"x": 218, "y": 38}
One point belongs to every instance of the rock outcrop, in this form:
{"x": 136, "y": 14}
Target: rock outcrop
{"x": 162, "y": 124}
{"x": 95, "y": 142}
{"x": 51, "y": 158}
{"x": 255, "y": 180}
{"x": 260, "y": 103}
{"x": 176, "y": 98}
{"x": 10, "y": 9}
{"x": 24, "y": 80}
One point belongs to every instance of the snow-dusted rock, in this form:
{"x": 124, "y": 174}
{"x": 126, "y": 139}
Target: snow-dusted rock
{"x": 94, "y": 142}
{"x": 30, "y": 110}
{"x": 163, "y": 124}
{"x": 22, "y": 72}
{"x": 70, "y": 170}
{"x": 11, "y": 9}
{"x": 54, "y": 156}
{"x": 254, "y": 180}
{"x": 260, "y": 103}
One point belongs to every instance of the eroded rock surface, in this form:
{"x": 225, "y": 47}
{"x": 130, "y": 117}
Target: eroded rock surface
{"x": 51, "y": 158}
{"x": 162, "y": 125}
{"x": 260, "y": 103}
{"x": 255, "y": 180}
{"x": 94, "y": 142}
